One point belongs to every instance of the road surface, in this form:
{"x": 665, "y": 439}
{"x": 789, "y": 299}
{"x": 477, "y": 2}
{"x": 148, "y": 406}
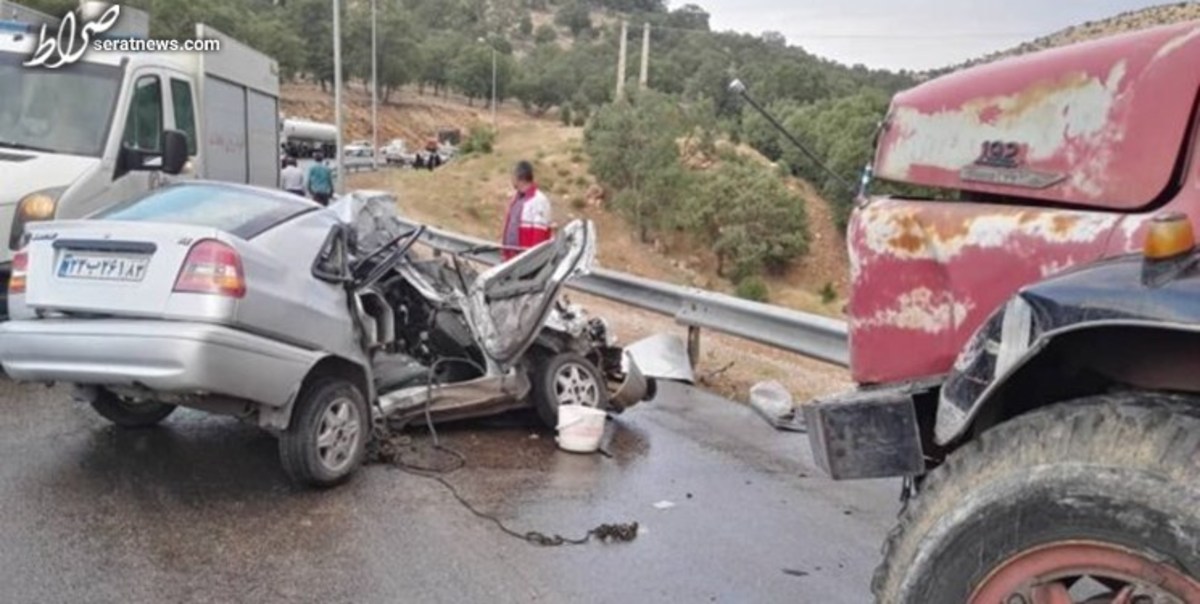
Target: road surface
{"x": 198, "y": 510}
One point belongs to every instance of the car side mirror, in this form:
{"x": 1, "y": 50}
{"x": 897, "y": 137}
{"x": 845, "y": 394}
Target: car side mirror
{"x": 174, "y": 145}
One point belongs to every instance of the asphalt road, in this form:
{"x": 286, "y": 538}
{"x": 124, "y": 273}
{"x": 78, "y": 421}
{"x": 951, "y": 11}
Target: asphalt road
{"x": 198, "y": 510}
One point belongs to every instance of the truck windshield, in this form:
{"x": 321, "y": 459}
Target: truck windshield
{"x": 65, "y": 110}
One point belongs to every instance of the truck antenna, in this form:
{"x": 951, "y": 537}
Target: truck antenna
{"x": 739, "y": 88}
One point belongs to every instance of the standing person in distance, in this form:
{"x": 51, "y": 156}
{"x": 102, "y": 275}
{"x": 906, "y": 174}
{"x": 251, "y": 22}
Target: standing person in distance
{"x": 527, "y": 222}
{"x": 291, "y": 179}
{"x": 320, "y": 180}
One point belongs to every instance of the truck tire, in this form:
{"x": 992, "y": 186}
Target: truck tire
{"x": 129, "y": 415}
{"x": 327, "y": 438}
{"x": 567, "y": 379}
{"x": 1110, "y": 484}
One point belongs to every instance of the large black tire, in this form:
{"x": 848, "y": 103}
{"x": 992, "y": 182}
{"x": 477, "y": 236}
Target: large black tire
{"x": 327, "y": 438}
{"x": 1118, "y": 470}
{"x": 129, "y": 415}
{"x": 548, "y": 393}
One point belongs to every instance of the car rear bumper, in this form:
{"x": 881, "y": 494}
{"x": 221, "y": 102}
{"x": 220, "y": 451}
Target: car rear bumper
{"x": 163, "y": 356}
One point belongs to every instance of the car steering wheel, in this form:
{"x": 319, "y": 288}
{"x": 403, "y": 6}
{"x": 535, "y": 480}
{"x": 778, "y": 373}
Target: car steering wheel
{"x": 381, "y": 268}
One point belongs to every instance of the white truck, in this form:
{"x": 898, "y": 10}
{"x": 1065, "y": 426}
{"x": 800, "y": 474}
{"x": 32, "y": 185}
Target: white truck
{"x": 112, "y": 126}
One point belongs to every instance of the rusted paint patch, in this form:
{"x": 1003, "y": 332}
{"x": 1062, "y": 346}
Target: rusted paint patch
{"x": 943, "y": 235}
{"x": 921, "y": 309}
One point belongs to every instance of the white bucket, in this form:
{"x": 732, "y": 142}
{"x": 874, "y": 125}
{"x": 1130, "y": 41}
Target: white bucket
{"x": 580, "y": 429}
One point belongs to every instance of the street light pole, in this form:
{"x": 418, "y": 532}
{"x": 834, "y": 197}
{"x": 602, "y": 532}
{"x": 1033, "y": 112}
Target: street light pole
{"x": 374, "y": 91}
{"x": 493, "y": 87}
{"x": 337, "y": 90}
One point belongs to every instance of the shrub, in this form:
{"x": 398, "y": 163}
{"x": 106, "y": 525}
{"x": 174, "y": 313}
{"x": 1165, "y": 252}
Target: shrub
{"x": 752, "y": 288}
{"x": 565, "y": 115}
{"x": 479, "y": 140}
{"x": 545, "y": 34}
{"x": 828, "y": 294}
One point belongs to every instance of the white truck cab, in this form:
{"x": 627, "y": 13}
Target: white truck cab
{"x": 79, "y": 138}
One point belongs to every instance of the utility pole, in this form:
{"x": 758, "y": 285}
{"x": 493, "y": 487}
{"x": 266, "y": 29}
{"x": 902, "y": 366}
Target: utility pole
{"x": 621, "y": 61}
{"x": 493, "y": 85}
{"x": 374, "y": 90}
{"x": 644, "y": 78}
{"x": 337, "y": 90}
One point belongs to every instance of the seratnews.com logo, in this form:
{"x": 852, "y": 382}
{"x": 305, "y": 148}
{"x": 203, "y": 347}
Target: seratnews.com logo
{"x": 72, "y": 40}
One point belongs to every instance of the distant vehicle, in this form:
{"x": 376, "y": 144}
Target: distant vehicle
{"x": 313, "y": 323}
{"x": 358, "y": 157}
{"x": 396, "y": 152}
{"x": 303, "y": 138}
{"x": 361, "y": 143}
{"x": 78, "y": 139}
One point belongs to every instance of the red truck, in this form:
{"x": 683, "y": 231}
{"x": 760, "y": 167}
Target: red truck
{"x": 1027, "y": 348}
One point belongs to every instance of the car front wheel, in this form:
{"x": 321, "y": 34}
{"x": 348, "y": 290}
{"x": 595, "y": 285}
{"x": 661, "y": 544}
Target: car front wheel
{"x": 567, "y": 379}
{"x": 327, "y": 438}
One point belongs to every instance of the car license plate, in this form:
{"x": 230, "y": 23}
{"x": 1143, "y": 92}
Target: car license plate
{"x": 102, "y": 267}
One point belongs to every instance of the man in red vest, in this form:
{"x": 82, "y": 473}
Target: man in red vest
{"x": 527, "y": 222}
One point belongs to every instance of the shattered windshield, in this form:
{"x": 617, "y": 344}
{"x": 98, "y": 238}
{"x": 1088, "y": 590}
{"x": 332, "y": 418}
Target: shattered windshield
{"x": 65, "y": 110}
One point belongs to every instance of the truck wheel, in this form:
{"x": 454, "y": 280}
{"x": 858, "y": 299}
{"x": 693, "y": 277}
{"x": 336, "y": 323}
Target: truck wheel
{"x": 567, "y": 379}
{"x": 327, "y": 438}
{"x": 1093, "y": 501}
{"x": 127, "y": 414}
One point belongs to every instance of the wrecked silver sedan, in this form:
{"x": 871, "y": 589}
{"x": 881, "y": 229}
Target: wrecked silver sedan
{"x": 313, "y": 323}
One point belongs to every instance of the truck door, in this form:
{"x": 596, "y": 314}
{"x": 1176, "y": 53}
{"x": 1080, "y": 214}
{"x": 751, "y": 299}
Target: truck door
{"x": 182, "y": 113}
{"x": 142, "y": 127}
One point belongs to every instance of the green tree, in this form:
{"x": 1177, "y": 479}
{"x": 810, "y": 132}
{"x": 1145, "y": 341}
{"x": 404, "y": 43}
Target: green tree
{"x": 753, "y": 221}
{"x": 525, "y": 28}
{"x": 634, "y": 151}
{"x": 575, "y": 16}
{"x": 545, "y": 34}
{"x": 471, "y": 73}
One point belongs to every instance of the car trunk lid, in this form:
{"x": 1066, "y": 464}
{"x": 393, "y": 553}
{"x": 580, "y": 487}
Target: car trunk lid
{"x": 108, "y": 267}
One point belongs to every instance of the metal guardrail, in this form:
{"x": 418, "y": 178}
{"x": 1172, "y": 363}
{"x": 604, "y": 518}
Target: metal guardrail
{"x": 803, "y": 333}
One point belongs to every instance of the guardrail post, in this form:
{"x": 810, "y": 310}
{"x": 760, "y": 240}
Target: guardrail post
{"x": 693, "y": 345}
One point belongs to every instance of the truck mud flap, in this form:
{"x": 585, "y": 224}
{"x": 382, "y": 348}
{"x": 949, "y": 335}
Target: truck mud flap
{"x": 866, "y": 434}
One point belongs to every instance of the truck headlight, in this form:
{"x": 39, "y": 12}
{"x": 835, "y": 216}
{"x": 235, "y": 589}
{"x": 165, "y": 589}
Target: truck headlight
{"x": 39, "y": 205}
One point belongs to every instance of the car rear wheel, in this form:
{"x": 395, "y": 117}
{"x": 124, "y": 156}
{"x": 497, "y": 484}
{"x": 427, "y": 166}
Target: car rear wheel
{"x": 1092, "y": 502}
{"x": 567, "y": 379}
{"x": 129, "y": 414}
{"x": 327, "y": 438}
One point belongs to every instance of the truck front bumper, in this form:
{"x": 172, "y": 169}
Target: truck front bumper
{"x": 163, "y": 356}
{"x": 866, "y": 434}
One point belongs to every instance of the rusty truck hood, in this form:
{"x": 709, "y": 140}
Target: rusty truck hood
{"x": 1097, "y": 132}
{"x": 1097, "y": 125}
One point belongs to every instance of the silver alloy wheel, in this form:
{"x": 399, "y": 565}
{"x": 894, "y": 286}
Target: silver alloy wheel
{"x": 338, "y": 434}
{"x": 575, "y": 385}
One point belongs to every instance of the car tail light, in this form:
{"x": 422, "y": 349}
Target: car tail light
{"x": 212, "y": 267}
{"x": 20, "y": 267}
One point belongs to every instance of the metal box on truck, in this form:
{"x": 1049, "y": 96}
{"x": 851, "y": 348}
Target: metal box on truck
{"x": 239, "y": 92}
